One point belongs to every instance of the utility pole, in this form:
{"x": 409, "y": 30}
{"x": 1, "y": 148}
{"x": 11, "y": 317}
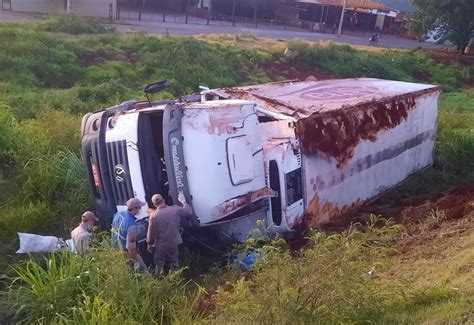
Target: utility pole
{"x": 233, "y": 13}
{"x": 339, "y": 30}
{"x": 255, "y": 13}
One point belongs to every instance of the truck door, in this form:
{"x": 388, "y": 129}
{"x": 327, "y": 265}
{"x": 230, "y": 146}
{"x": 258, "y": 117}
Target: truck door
{"x": 285, "y": 177}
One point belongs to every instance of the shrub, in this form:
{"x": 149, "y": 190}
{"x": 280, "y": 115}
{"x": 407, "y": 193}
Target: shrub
{"x": 75, "y": 25}
{"x": 36, "y": 60}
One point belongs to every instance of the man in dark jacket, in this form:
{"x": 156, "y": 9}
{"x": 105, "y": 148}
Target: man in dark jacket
{"x": 164, "y": 234}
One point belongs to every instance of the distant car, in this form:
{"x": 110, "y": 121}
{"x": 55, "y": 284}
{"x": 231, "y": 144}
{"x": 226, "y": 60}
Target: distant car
{"x": 217, "y": 16}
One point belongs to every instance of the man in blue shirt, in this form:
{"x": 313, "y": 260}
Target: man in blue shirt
{"x": 124, "y": 229}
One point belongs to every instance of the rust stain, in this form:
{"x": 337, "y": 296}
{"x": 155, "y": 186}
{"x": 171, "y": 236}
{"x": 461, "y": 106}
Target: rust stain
{"x": 319, "y": 213}
{"x": 223, "y": 122}
{"x": 264, "y": 102}
{"x": 240, "y": 202}
{"x": 337, "y": 133}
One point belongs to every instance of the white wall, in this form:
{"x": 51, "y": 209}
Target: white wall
{"x": 91, "y": 8}
{"x": 94, "y": 8}
{"x": 379, "y": 21}
{"x": 39, "y": 6}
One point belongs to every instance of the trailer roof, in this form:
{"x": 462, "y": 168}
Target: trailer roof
{"x": 304, "y": 98}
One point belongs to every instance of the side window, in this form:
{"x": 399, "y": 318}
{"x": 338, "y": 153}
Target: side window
{"x": 275, "y": 185}
{"x": 294, "y": 186}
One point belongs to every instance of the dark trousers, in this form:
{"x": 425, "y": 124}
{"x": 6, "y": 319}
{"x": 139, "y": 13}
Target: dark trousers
{"x": 166, "y": 254}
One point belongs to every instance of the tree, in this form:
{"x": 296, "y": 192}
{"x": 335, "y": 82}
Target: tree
{"x": 453, "y": 20}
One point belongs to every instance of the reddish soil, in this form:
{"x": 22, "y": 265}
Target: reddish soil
{"x": 446, "y": 56}
{"x": 455, "y": 204}
{"x": 277, "y": 70}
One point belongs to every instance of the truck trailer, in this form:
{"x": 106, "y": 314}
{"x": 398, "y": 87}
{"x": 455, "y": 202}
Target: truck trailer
{"x": 287, "y": 153}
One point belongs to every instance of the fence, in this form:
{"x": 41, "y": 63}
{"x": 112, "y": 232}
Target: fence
{"x": 200, "y": 17}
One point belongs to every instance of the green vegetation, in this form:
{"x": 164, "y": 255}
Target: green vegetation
{"x": 455, "y": 146}
{"x": 450, "y": 19}
{"x": 346, "y": 61}
{"x": 49, "y": 79}
{"x": 69, "y": 289}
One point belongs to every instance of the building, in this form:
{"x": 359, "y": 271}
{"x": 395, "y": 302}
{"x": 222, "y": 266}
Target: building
{"x": 316, "y": 15}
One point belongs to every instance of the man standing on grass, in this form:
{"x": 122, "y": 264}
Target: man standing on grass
{"x": 81, "y": 236}
{"x": 164, "y": 234}
{"x": 125, "y": 231}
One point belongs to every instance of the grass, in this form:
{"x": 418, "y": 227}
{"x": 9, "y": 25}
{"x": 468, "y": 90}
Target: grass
{"x": 347, "y": 61}
{"x": 438, "y": 275}
{"x": 66, "y": 288}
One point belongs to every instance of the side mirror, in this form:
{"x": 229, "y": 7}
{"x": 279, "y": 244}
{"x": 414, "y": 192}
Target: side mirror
{"x": 156, "y": 87}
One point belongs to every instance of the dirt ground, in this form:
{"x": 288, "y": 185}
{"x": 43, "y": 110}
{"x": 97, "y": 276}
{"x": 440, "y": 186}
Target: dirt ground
{"x": 285, "y": 71}
{"x": 447, "y": 56}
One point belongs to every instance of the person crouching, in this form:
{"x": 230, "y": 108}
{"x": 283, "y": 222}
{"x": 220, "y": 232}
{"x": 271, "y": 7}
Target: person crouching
{"x": 81, "y": 236}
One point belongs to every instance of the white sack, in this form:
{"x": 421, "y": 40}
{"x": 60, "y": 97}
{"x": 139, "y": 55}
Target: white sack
{"x": 30, "y": 243}
{"x": 70, "y": 245}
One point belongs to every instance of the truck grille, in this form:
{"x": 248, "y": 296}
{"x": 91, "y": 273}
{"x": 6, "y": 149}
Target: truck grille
{"x": 119, "y": 171}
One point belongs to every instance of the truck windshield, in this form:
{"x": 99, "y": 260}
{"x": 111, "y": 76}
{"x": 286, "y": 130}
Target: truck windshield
{"x": 151, "y": 152}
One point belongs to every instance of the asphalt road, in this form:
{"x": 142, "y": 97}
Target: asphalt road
{"x": 159, "y": 28}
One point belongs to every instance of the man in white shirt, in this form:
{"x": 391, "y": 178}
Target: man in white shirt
{"x": 81, "y": 235}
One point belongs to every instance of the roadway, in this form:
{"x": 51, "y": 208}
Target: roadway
{"x": 154, "y": 27}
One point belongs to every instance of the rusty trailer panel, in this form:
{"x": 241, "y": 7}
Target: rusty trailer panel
{"x": 304, "y": 98}
{"x": 333, "y": 116}
{"x": 340, "y": 183}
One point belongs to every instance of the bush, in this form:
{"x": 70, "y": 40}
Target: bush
{"x": 34, "y": 59}
{"x": 75, "y": 25}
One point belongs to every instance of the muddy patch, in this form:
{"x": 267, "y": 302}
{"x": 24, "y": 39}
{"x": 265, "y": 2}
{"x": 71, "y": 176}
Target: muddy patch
{"x": 282, "y": 70}
{"x": 456, "y": 204}
{"x": 335, "y": 134}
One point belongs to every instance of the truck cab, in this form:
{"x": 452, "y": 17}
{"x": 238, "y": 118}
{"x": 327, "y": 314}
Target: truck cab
{"x": 235, "y": 163}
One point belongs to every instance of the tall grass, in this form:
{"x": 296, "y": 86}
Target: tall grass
{"x": 99, "y": 288}
{"x": 333, "y": 282}
{"x": 455, "y": 141}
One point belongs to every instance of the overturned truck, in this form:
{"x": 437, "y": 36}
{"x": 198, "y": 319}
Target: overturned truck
{"x": 285, "y": 153}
